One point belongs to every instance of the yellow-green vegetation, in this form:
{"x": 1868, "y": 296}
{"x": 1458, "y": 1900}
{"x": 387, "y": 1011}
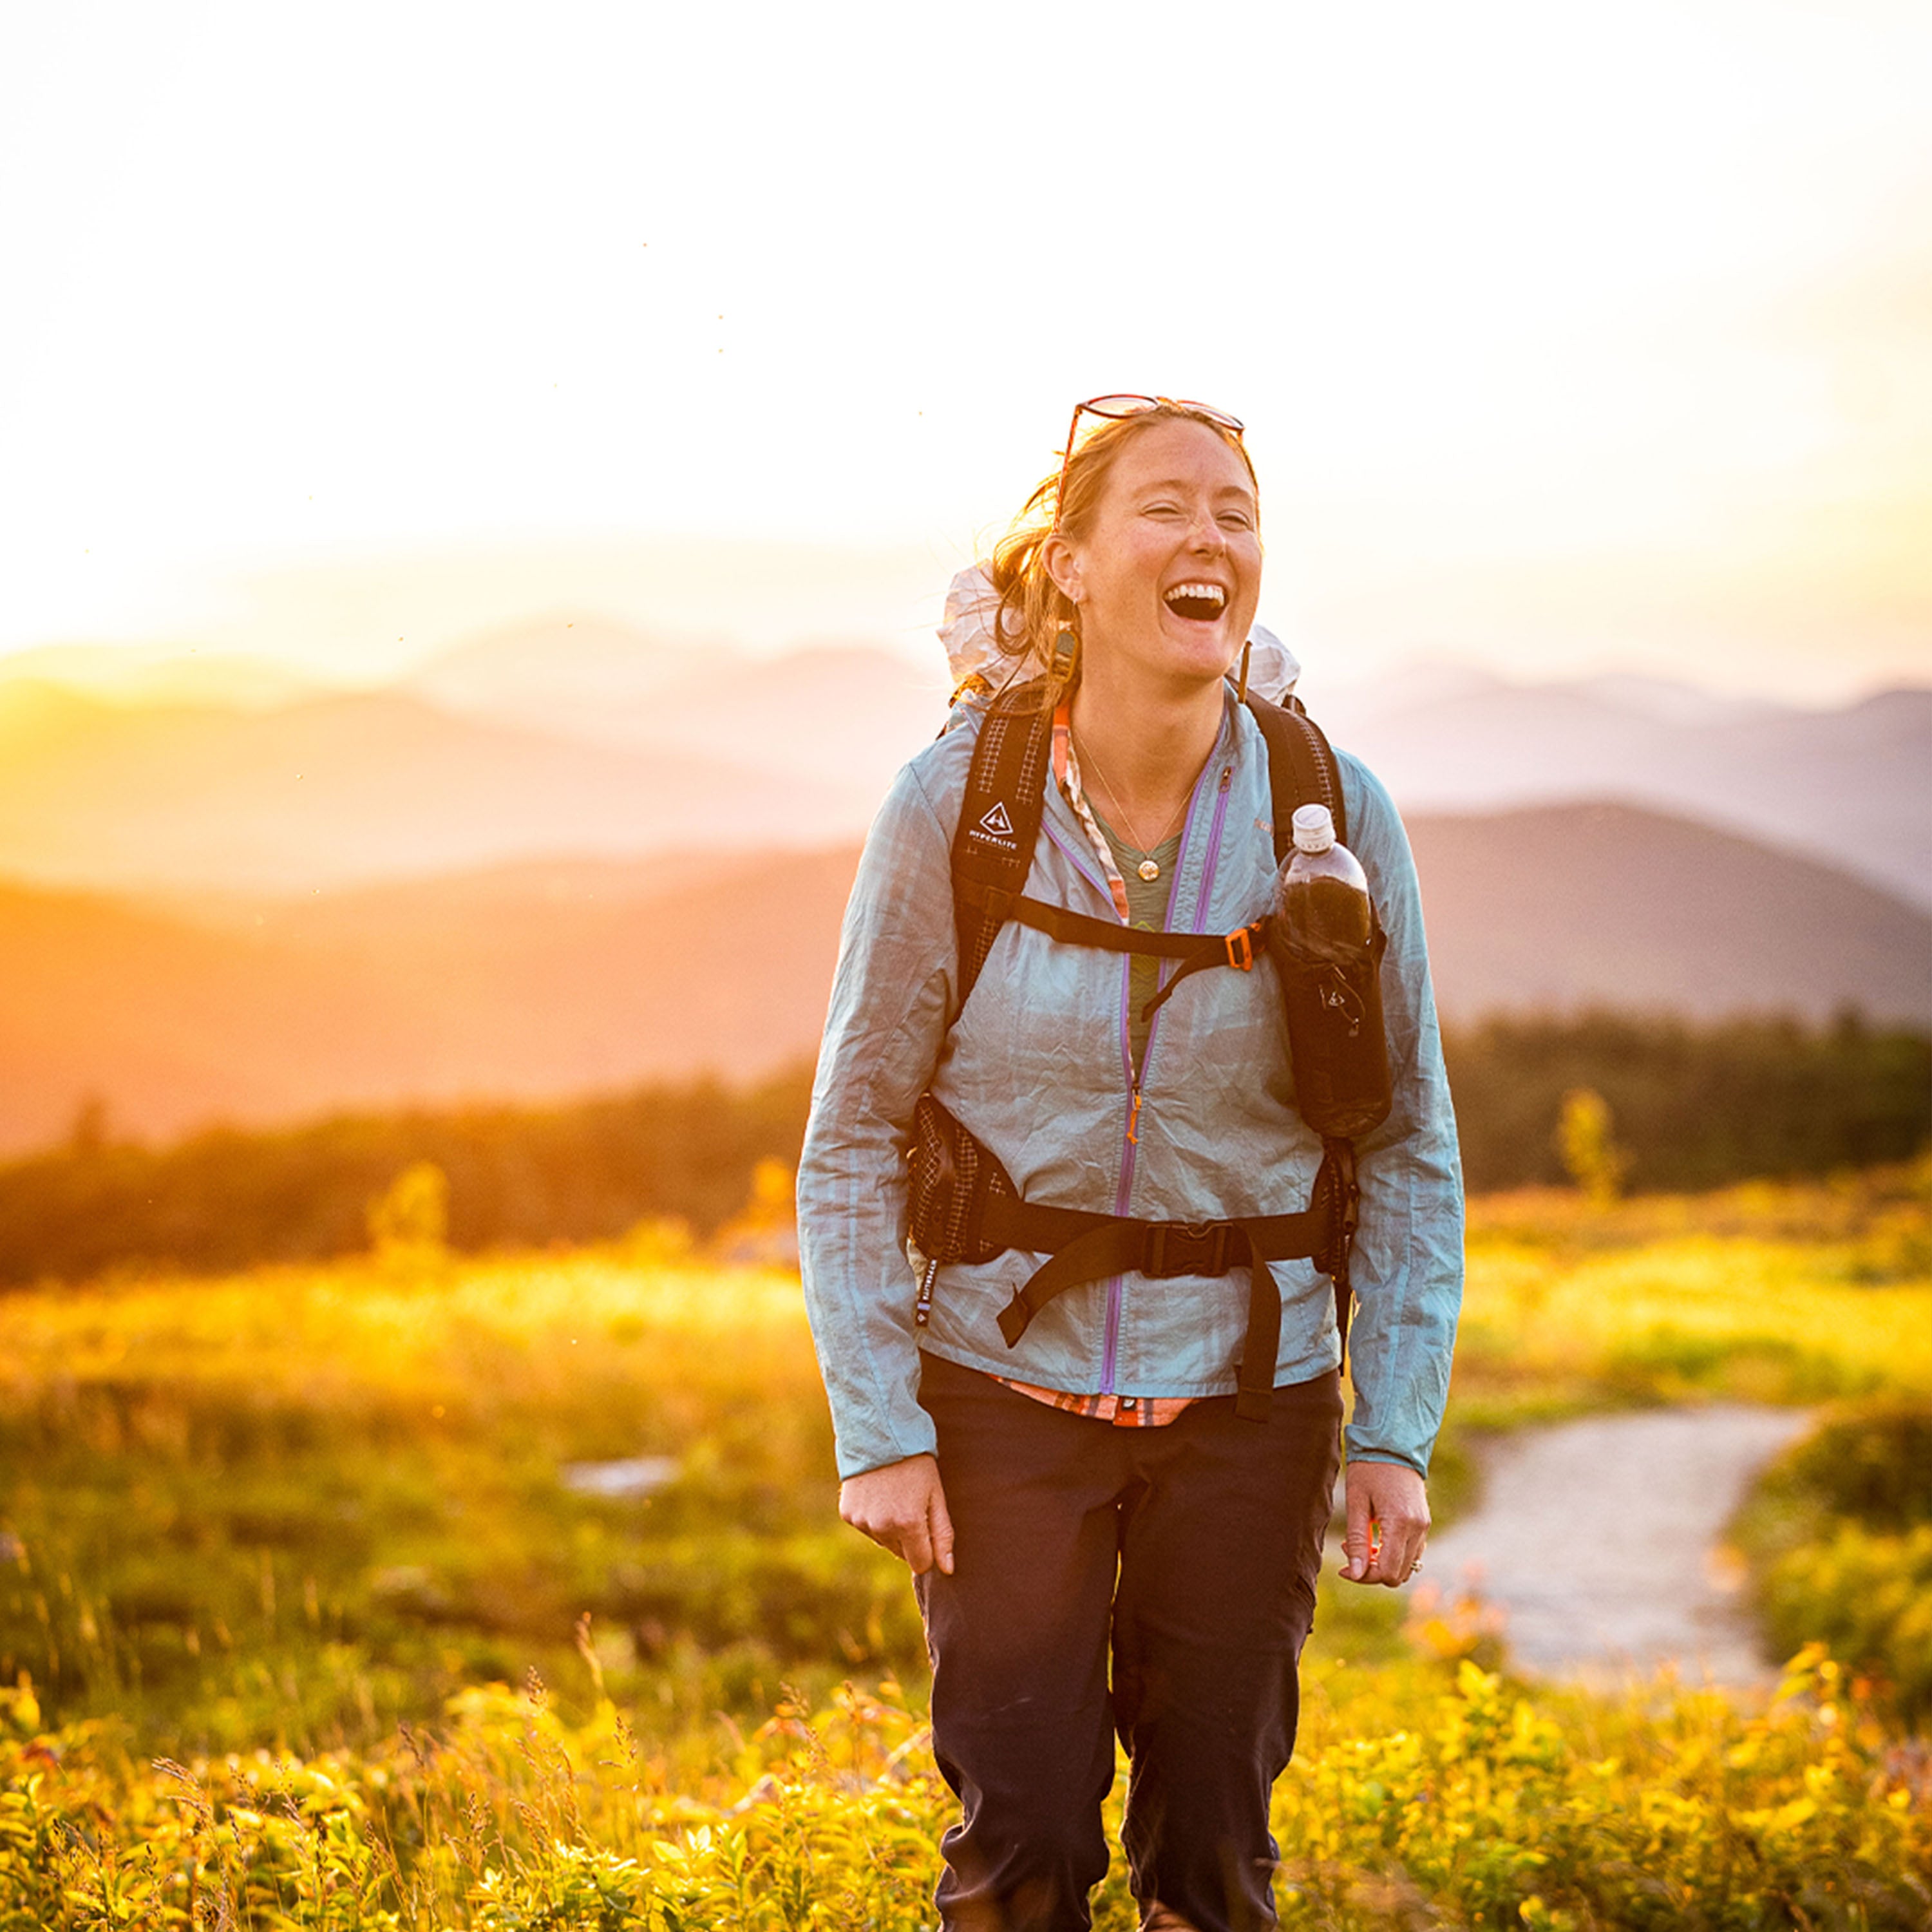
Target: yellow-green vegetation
{"x": 1417, "y": 1799}
{"x": 1841, "y": 1531}
{"x": 292, "y": 1529}
{"x": 300, "y": 1504}
{"x": 1801, "y": 1293}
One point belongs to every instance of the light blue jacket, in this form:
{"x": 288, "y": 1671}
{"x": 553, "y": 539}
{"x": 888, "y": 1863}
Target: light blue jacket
{"x": 1037, "y": 1067}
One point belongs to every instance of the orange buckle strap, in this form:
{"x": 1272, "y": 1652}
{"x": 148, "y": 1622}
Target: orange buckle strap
{"x": 1240, "y": 945}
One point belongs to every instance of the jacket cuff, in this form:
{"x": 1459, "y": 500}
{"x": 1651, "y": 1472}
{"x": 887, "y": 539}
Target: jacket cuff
{"x": 1363, "y": 1452}
{"x": 862, "y": 1451}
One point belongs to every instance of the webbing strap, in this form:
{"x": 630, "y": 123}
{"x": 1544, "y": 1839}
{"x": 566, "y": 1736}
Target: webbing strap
{"x": 1079, "y": 928}
{"x": 1087, "y": 1246}
{"x": 1302, "y": 769}
{"x": 1336, "y": 1185}
{"x": 1196, "y": 949}
{"x": 1091, "y": 1246}
{"x": 1236, "y": 949}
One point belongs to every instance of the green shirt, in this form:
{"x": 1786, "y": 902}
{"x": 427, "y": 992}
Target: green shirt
{"x": 1147, "y": 910}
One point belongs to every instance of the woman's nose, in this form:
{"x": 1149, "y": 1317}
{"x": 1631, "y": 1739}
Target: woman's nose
{"x": 1205, "y": 533}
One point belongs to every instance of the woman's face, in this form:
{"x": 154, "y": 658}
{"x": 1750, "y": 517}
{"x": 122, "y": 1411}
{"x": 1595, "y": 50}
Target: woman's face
{"x": 1167, "y": 577}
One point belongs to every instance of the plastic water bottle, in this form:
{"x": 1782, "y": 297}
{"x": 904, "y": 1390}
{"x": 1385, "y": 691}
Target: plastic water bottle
{"x": 1322, "y": 894}
{"x": 1327, "y": 950}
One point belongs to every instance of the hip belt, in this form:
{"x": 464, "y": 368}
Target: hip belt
{"x": 965, "y": 1208}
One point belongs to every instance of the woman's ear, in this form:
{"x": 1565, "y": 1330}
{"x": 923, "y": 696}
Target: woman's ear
{"x": 1062, "y": 562}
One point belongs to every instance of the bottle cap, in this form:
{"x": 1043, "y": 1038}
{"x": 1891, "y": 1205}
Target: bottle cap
{"x": 1314, "y": 829}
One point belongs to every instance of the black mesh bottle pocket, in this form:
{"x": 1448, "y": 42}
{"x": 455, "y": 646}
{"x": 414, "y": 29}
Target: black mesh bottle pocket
{"x": 952, "y": 1178}
{"x": 1335, "y": 1037}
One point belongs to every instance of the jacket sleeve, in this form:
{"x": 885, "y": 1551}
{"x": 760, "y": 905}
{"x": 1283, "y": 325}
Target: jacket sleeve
{"x": 892, "y": 996}
{"x": 1408, "y": 1262}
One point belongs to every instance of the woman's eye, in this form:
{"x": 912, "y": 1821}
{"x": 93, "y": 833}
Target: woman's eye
{"x": 1236, "y": 519}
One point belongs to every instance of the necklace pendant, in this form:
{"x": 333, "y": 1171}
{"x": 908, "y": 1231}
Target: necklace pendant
{"x": 1150, "y": 868}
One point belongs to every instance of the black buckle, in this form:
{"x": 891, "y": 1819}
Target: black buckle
{"x": 1185, "y": 1247}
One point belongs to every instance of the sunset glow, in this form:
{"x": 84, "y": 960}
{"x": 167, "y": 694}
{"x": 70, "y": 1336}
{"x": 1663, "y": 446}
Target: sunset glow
{"x": 1569, "y": 338}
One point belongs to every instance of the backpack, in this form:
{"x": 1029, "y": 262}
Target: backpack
{"x": 999, "y": 821}
{"x": 964, "y": 1207}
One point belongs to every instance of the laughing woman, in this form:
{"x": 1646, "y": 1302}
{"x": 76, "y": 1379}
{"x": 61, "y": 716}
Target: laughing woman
{"x": 1115, "y": 1530}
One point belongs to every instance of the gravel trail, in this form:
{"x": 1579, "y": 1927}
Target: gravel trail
{"x": 1601, "y": 1541}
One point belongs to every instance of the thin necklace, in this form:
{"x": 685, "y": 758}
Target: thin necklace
{"x": 1149, "y": 867}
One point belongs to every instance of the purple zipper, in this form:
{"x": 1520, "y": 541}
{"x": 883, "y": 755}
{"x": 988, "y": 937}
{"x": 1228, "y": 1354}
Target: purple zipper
{"x": 1222, "y": 794}
{"x": 1110, "y": 1346}
{"x": 1082, "y": 862}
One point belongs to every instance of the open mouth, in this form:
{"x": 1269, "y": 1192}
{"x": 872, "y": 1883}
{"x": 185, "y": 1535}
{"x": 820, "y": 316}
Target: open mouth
{"x": 1202, "y": 603}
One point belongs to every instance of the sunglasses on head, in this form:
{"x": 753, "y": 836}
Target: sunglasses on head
{"x": 1115, "y": 409}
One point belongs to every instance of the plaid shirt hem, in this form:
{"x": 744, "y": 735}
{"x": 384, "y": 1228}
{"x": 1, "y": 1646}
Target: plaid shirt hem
{"x": 1123, "y": 1411}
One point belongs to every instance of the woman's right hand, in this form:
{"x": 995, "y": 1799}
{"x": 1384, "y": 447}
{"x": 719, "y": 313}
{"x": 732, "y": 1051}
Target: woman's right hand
{"x": 902, "y": 1508}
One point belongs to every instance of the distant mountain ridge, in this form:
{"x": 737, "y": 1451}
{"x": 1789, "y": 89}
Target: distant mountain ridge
{"x": 353, "y": 787}
{"x": 1852, "y": 786}
{"x": 1554, "y": 907}
{"x": 564, "y": 668}
{"x": 549, "y": 979}
{"x": 577, "y": 735}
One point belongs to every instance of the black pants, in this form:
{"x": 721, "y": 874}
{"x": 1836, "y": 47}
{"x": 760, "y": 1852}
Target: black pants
{"x": 1187, "y": 1555}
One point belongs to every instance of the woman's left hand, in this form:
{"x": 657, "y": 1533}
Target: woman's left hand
{"x": 1388, "y": 1523}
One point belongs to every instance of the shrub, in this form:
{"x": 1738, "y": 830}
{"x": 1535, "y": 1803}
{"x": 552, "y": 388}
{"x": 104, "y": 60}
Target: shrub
{"x": 1416, "y": 1801}
{"x": 1840, "y": 1532}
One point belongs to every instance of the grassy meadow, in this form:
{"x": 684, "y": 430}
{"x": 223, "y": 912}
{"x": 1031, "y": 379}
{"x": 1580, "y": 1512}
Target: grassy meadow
{"x": 307, "y": 1621}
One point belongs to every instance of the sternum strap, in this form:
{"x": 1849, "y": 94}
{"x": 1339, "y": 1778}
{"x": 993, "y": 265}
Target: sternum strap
{"x": 1194, "y": 950}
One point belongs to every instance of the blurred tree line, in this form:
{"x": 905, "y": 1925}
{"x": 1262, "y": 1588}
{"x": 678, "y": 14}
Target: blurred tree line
{"x": 512, "y": 1177}
{"x": 1691, "y": 1107}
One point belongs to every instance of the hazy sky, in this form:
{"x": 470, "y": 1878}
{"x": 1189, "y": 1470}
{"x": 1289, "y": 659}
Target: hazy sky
{"x": 1569, "y": 336}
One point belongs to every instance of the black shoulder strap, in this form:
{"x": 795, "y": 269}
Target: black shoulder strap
{"x": 1302, "y": 769}
{"x": 999, "y": 823}
{"x": 999, "y": 819}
